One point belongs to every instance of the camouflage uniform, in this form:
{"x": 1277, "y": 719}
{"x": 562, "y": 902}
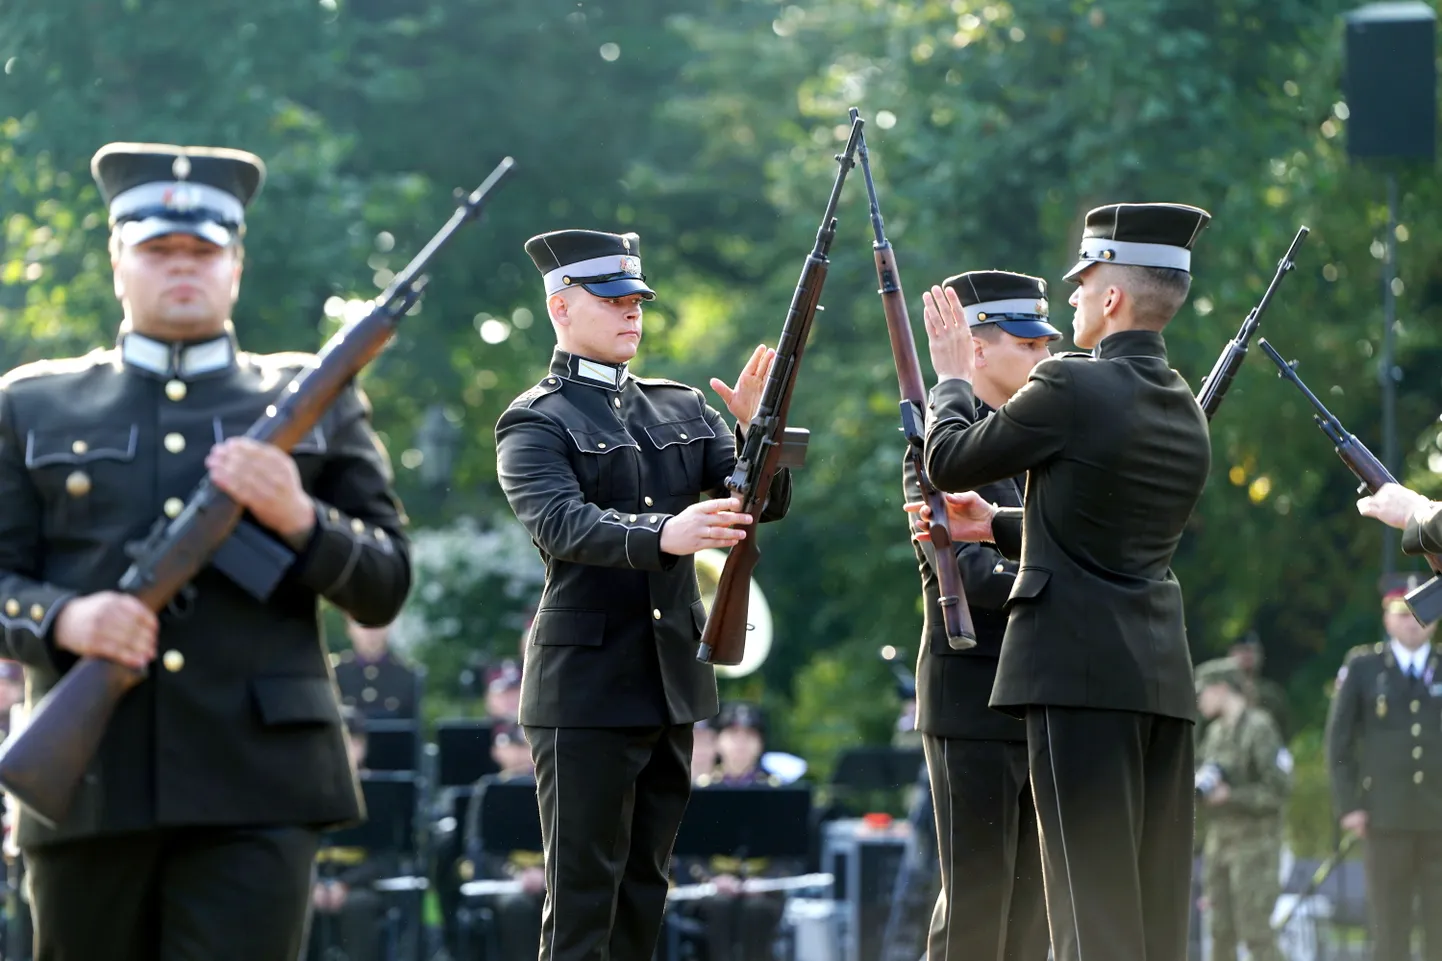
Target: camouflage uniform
{"x": 1242, "y": 844}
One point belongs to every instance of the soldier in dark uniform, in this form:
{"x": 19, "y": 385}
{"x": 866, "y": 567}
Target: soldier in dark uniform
{"x": 606, "y": 470}
{"x": 1384, "y": 748}
{"x": 1116, "y": 453}
{"x": 991, "y": 903}
{"x": 374, "y": 679}
{"x": 194, "y": 831}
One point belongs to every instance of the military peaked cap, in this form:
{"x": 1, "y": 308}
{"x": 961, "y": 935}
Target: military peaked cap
{"x": 1014, "y": 302}
{"x": 741, "y": 714}
{"x": 1140, "y": 235}
{"x": 607, "y": 265}
{"x": 1223, "y": 670}
{"x": 157, "y": 189}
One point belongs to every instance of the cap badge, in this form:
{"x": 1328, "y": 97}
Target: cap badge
{"x": 181, "y": 167}
{"x": 631, "y": 266}
{"x": 1041, "y": 307}
{"x": 181, "y": 197}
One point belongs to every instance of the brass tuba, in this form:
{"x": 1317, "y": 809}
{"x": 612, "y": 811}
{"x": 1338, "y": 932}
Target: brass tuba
{"x": 758, "y": 625}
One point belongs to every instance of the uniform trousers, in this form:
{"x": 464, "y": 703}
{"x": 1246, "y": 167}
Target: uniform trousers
{"x": 181, "y": 894}
{"x": 611, "y": 802}
{"x": 1115, "y": 800}
{"x": 991, "y": 904}
{"x": 1404, "y": 872}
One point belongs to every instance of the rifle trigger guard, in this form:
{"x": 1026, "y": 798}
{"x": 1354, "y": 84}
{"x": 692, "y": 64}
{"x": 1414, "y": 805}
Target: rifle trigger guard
{"x": 182, "y": 605}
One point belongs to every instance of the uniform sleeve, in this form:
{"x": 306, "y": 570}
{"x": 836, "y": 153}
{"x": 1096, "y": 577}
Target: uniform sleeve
{"x": 534, "y": 470}
{"x": 721, "y": 460}
{"x": 1272, "y": 763}
{"x": 1423, "y": 533}
{"x": 986, "y": 575}
{"x": 358, "y": 557}
{"x": 963, "y": 453}
{"x": 1342, "y": 760}
{"x": 28, "y": 606}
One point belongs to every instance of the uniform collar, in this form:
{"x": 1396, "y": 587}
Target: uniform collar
{"x": 178, "y": 359}
{"x": 583, "y": 370}
{"x": 1410, "y": 661}
{"x": 1132, "y": 343}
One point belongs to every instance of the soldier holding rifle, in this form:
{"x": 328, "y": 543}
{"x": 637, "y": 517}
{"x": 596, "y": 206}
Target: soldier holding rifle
{"x": 991, "y": 904}
{"x": 607, "y": 470}
{"x": 1095, "y": 656}
{"x": 194, "y": 831}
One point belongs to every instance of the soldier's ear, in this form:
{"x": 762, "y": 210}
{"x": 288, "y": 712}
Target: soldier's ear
{"x": 978, "y": 351}
{"x": 559, "y": 308}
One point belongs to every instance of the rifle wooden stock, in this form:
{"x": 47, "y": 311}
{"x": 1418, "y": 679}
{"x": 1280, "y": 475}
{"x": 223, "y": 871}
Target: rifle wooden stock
{"x": 769, "y": 444}
{"x": 1425, "y": 601}
{"x": 955, "y": 612}
{"x": 42, "y": 765}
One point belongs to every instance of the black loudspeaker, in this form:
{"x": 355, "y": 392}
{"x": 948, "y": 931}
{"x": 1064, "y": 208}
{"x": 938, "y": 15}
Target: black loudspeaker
{"x": 1391, "y": 82}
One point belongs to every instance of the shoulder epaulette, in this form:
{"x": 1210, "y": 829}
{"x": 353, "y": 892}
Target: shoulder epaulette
{"x": 546, "y": 386}
{"x": 63, "y": 365}
{"x": 1071, "y": 354}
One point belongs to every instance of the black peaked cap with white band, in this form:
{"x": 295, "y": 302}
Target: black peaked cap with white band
{"x": 607, "y": 265}
{"x": 155, "y": 189}
{"x": 1140, "y": 235}
{"x": 1014, "y": 302}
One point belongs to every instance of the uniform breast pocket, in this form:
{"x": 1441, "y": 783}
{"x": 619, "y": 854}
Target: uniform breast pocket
{"x": 683, "y": 454}
{"x": 309, "y": 452}
{"x": 605, "y": 471}
{"x": 84, "y": 473}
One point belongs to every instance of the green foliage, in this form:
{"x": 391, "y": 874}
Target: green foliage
{"x": 1311, "y": 823}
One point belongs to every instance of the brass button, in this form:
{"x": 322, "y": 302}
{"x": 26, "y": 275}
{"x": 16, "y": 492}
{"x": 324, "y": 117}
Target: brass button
{"x": 334, "y": 515}
{"x": 633, "y": 518}
{"x": 550, "y": 380}
{"x": 77, "y": 484}
{"x": 1416, "y": 706}
{"x": 649, "y": 502}
{"x": 380, "y": 534}
{"x": 1000, "y": 566}
{"x": 37, "y": 613}
{"x": 369, "y": 694}
{"x": 684, "y": 437}
{"x": 175, "y": 443}
{"x": 12, "y": 607}
{"x": 616, "y": 402}
{"x": 651, "y": 519}
{"x": 175, "y": 390}
{"x": 358, "y": 525}
{"x": 173, "y": 660}
{"x": 602, "y": 445}
{"x": 173, "y": 506}
{"x": 79, "y": 447}
{"x": 372, "y": 672}
{"x": 656, "y": 613}
{"x": 1416, "y": 753}
{"x": 1416, "y": 730}
{"x": 1417, "y": 778}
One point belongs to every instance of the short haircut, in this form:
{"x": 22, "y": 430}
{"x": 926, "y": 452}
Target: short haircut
{"x": 1157, "y": 293}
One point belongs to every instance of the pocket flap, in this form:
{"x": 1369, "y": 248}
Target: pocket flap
{"x": 601, "y": 441}
{"x": 80, "y": 445}
{"x": 1029, "y": 583}
{"x": 295, "y": 700}
{"x": 680, "y": 432}
{"x": 569, "y": 628}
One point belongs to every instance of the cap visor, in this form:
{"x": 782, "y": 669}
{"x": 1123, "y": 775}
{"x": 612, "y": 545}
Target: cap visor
{"x": 1029, "y": 329}
{"x": 1075, "y": 272}
{"x": 139, "y": 231}
{"x": 621, "y": 288}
